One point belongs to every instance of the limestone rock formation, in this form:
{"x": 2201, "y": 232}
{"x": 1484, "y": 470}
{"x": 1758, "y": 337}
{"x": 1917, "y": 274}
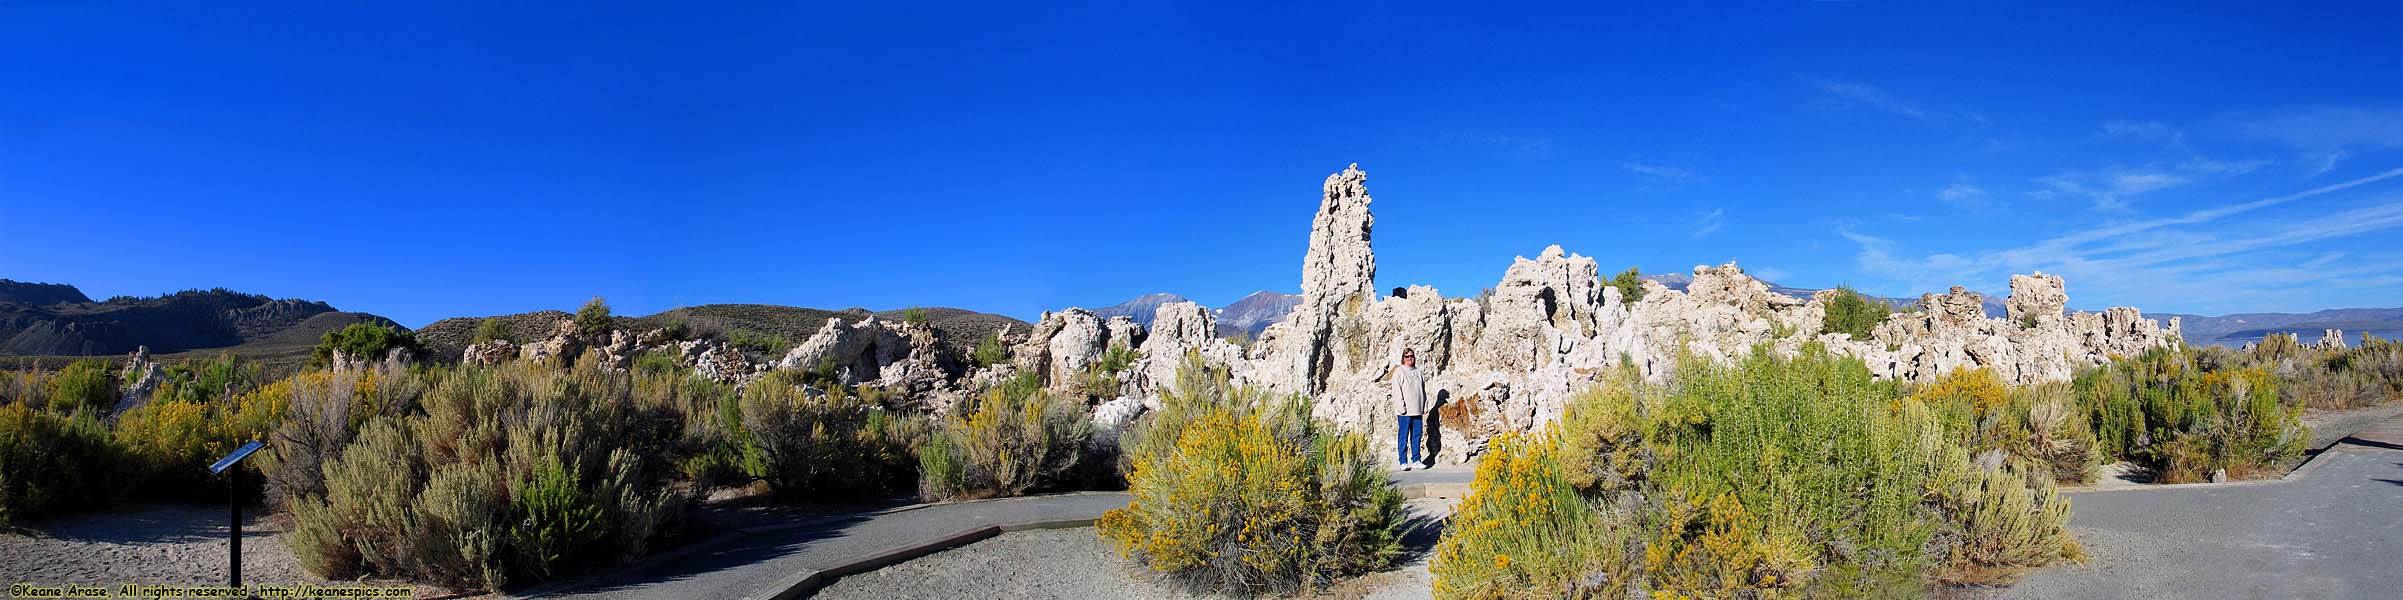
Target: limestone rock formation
{"x": 2037, "y": 300}
{"x": 564, "y": 343}
{"x": 2331, "y": 339}
{"x": 1339, "y": 275}
{"x": 1512, "y": 361}
{"x": 490, "y": 352}
{"x": 855, "y": 351}
{"x": 719, "y": 361}
{"x": 393, "y": 359}
{"x": 1179, "y": 328}
{"x": 1064, "y": 345}
{"x": 142, "y": 377}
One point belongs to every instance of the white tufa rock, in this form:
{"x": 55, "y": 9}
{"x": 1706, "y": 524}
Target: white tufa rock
{"x": 2332, "y": 339}
{"x": 1552, "y": 327}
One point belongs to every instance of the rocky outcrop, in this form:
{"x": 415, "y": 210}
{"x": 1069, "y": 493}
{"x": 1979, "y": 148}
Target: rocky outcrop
{"x": 142, "y": 377}
{"x": 1507, "y": 362}
{"x": 564, "y": 343}
{"x": 2332, "y": 339}
{"x": 719, "y": 361}
{"x": 853, "y": 352}
{"x": 1511, "y": 361}
{"x": 1339, "y": 275}
{"x": 489, "y": 352}
{"x": 1062, "y": 346}
{"x": 2037, "y": 300}
{"x": 393, "y": 359}
{"x": 1179, "y": 328}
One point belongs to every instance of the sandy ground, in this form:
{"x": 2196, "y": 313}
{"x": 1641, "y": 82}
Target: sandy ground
{"x": 165, "y": 544}
{"x": 1078, "y": 564}
{"x": 2329, "y": 426}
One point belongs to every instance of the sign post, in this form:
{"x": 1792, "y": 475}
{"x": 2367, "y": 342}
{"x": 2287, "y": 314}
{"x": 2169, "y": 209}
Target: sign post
{"x": 233, "y": 498}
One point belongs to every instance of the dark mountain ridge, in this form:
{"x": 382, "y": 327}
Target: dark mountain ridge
{"x": 39, "y": 294}
{"x": 58, "y": 320}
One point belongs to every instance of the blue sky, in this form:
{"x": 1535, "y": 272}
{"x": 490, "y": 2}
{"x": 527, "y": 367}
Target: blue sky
{"x": 425, "y": 161}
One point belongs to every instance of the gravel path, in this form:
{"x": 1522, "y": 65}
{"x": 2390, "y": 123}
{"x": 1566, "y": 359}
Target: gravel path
{"x": 2329, "y": 426}
{"x": 768, "y": 560}
{"x": 2336, "y": 531}
{"x": 165, "y": 544}
{"x": 1077, "y": 563}
{"x": 1047, "y": 563}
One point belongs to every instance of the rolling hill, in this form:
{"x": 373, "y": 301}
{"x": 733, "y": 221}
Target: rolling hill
{"x": 45, "y": 320}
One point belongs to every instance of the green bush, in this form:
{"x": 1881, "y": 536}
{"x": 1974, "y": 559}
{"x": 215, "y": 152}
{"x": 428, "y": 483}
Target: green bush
{"x": 1850, "y": 313}
{"x": 52, "y": 462}
{"x": 1100, "y": 379}
{"x": 86, "y": 385}
{"x": 2368, "y": 374}
{"x": 2165, "y": 411}
{"x": 592, "y": 320}
{"x": 913, "y": 316}
{"x": 1767, "y": 477}
{"x": 555, "y": 518}
{"x": 323, "y": 411}
{"x": 1630, "y": 283}
{"x": 764, "y": 343}
{"x": 991, "y": 351}
{"x": 509, "y": 473}
{"x": 835, "y": 443}
{"x": 2039, "y": 428}
{"x": 1005, "y": 443}
{"x": 207, "y": 379}
{"x": 491, "y": 329}
{"x": 1236, "y": 496}
{"x": 364, "y": 340}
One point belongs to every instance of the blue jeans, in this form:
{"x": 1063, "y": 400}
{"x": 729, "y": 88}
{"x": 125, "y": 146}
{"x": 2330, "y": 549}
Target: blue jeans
{"x": 1411, "y": 428}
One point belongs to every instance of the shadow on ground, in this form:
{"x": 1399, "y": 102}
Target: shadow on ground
{"x": 1419, "y": 534}
{"x": 743, "y": 551}
{"x": 2370, "y": 443}
{"x": 153, "y": 524}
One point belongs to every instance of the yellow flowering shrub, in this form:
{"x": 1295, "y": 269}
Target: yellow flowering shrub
{"x": 174, "y": 440}
{"x": 1978, "y": 388}
{"x": 1524, "y": 527}
{"x": 1253, "y": 499}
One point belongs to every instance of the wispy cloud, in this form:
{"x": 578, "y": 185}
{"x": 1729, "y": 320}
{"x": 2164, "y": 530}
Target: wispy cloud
{"x": 1961, "y": 193}
{"x": 2197, "y": 257}
{"x": 1709, "y": 222}
{"x": 2146, "y": 130}
{"x": 2111, "y": 189}
{"x": 1671, "y": 173}
{"x": 2325, "y": 260}
{"x": 2326, "y": 134}
{"x": 1870, "y": 96}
